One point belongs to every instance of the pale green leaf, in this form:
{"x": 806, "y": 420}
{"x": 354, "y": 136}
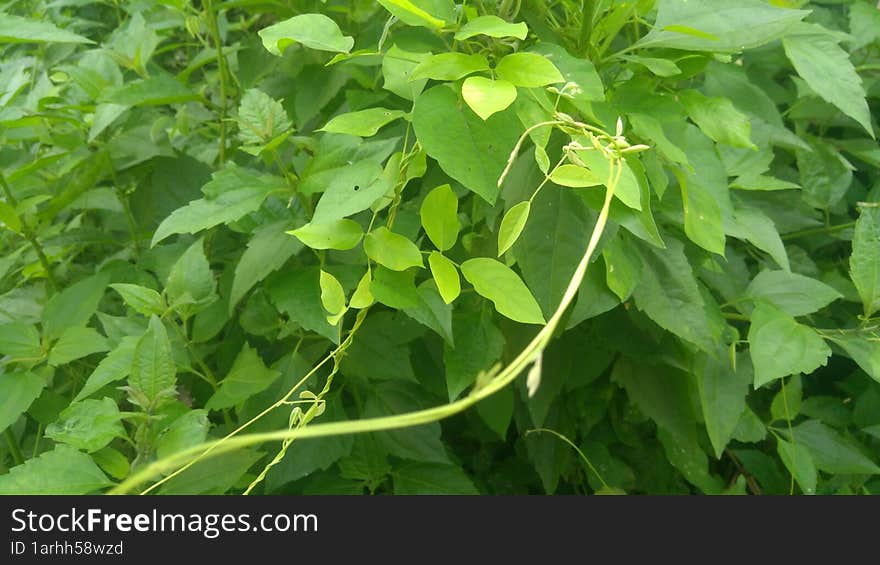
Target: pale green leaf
{"x": 141, "y": 299}
{"x": 363, "y": 123}
{"x": 392, "y": 250}
{"x": 449, "y": 66}
{"x": 779, "y": 346}
{"x": 20, "y": 341}
{"x": 427, "y": 13}
{"x": 864, "y": 263}
{"x": 189, "y": 430}
{"x": 15, "y": 29}
{"x": 232, "y": 193}
{"x": 486, "y": 96}
{"x": 315, "y": 31}
{"x": 718, "y": 118}
{"x": 115, "y": 366}
{"x": 528, "y": 70}
{"x": 796, "y": 294}
{"x": 75, "y": 343}
{"x": 332, "y": 294}
{"x": 575, "y": 176}
{"x": 864, "y": 350}
{"x": 74, "y": 305}
{"x": 799, "y": 462}
{"x": 353, "y": 190}
{"x": 261, "y": 118}
{"x": 826, "y": 67}
{"x": 497, "y": 282}
{"x": 439, "y": 214}
{"x": 627, "y": 190}
{"x": 247, "y": 377}
{"x": 512, "y": 225}
{"x": 445, "y": 276}
{"x": 87, "y": 425}
{"x": 64, "y": 470}
{"x": 718, "y": 25}
{"x": 338, "y": 234}
{"x": 191, "y": 280}
{"x": 17, "y": 393}
{"x": 491, "y": 26}
{"x": 362, "y": 297}
{"x": 153, "y": 372}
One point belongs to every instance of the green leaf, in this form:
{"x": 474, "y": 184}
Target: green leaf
{"x": 512, "y": 225}
{"x": 432, "y": 478}
{"x": 817, "y": 58}
{"x": 779, "y": 346}
{"x": 864, "y": 263}
{"x": 20, "y": 341}
{"x": 445, "y": 276}
{"x": 718, "y": 118}
{"x": 497, "y": 282}
{"x": 397, "y": 66}
{"x": 232, "y": 193}
{"x": 660, "y": 67}
{"x": 864, "y": 350}
{"x": 528, "y": 70}
{"x": 668, "y": 293}
{"x": 754, "y": 226}
{"x": 449, "y": 66}
{"x": 575, "y": 176}
{"x": 491, "y": 26}
{"x": 621, "y": 268}
{"x": 338, "y": 234}
{"x": 154, "y": 91}
{"x": 799, "y": 462}
{"x": 247, "y": 377}
{"x": 17, "y": 393}
{"x": 364, "y": 123}
{"x": 717, "y": 25}
{"x": 552, "y": 244}
{"x": 832, "y": 452}
{"x": 87, "y": 425}
{"x": 297, "y": 293}
{"x": 74, "y": 305}
{"x": 75, "y": 343}
{"x": 267, "y": 251}
{"x": 362, "y": 297}
{"x": 153, "y": 370}
{"x": 795, "y": 294}
{"x": 191, "y": 280}
{"x": 486, "y": 96}
{"x": 420, "y": 12}
{"x": 115, "y": 366}
{"x": 332, "y": 296}
{"x": 478, "y": 346}
{"x": 15, "y": 29}
{"x": 416, "y": 443}
{"x": 481, "y": 148}
{"x": 315, "y": 31}
{"x": 579, "y": 71}
{"x": 189, "y": 430}
{"x": 627, "y": 190}
{"x": 141, "y": 299}
{"x": 723, "y": 391}
{"x": 261, "y": 118}
{"x": 824, "y": 173}
{"x": 9, "y": 216}
{"x": 439, "y": 214}
{"x": 786, "y": 404}
{"x": 353, "y": 190}
{"x": 64, "y": 470}
{"x": 392, "y": 250}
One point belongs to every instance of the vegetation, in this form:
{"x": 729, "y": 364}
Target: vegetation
{"x": 426, "y": 246}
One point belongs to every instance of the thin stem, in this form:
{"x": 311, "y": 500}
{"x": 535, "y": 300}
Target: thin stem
{"x": 221, "y": 64}
{"x": 817, "y": 231}
{"x": 29, "y": 235}
{"x": 576, "y": 448}
{"x": 17, "y": 457}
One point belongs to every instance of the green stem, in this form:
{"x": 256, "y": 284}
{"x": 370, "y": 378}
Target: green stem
{"x": 29, "y": 235}
{"x": 818, "y": 231}
{"x": 588, "y": 12}
{"x": 17, "y": 457}
{"x": 221, "y": 64}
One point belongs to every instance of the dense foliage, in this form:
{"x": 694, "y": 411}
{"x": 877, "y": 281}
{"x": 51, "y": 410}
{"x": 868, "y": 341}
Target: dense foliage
{"x": 530, "y": 246}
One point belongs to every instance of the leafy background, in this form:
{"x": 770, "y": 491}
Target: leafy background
{"x": 239, "y": 217}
